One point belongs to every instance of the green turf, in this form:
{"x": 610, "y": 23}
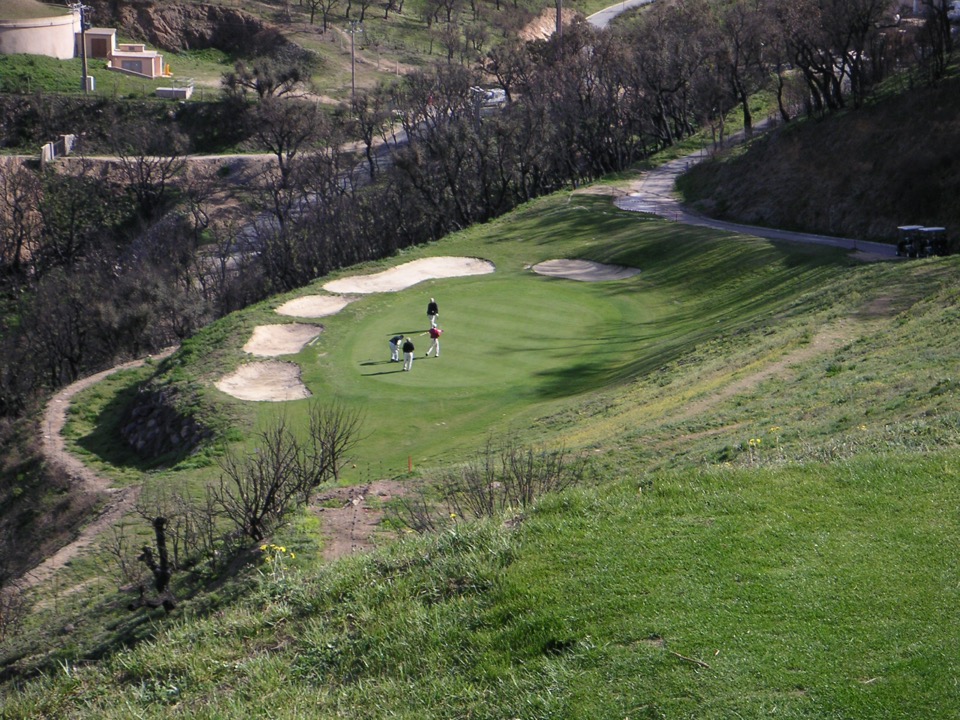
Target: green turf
{"x": 774, "y": 434}
{"x": 518, "y": 346}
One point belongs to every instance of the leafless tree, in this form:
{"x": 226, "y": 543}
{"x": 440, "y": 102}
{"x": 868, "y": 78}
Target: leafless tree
{"x": 741, "y": 38}
{"x": 334, "y": 432}
{"x": 417, "y": 510}
{"x": 150, "y": 158}
{"x": 257, "y": 490}
{"x": 364, "y": 6}
{"x": 119, "y": 547}
{"x": 191, "y": 528}
{"x": 158, "y": 561}
{"x": 370, "y": 112}
{"x": 80, "y": 211}
{"x": 60, "y": 329}
{"x": 476, "y": 35}
{"x": 669, "y": 48}
{"x": 829, "y": 41}
{"x": 501, "y": 478}
{"x": 511, "y": 63}
{"x": 20, "y": 220}
{"x": 936, "y": 37}
{"x": 227, "y": 271}
{"x": 448, "y": 36}
{"x": 324, "y": 6}
{"x": 287, "y": 128}
{"x": 13, "y": 610}
{"x": 327, "y": 8}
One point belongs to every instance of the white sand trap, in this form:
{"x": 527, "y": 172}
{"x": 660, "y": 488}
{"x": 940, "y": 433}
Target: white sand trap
{"x": 584, "y": 270}
{"x": 269, "y": 380}
{"x": 411, "y": 273}
{"x": 273, "y": 340}
{"x": 314, "y": 306}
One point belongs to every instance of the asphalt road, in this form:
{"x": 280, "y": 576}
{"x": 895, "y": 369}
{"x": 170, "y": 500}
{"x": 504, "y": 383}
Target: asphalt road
{"x": 656, "y": 194}
{"x": 602, "y": 18}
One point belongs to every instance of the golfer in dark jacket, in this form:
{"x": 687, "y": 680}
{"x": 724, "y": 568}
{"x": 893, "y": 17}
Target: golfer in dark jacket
{"x": 408, "y": 349}
{"x": 432, "y": 311}
{"x": 395, "y": 343}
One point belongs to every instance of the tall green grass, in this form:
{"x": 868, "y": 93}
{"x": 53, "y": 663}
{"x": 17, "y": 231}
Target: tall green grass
{"x": 40, "y": 74}
{"x": 803, "y": 592}
{"x": 775, "y": 435}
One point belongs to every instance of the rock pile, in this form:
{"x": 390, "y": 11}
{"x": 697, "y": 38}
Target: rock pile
{"x": 154, "y": 427}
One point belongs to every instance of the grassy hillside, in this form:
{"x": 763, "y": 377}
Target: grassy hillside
{"x": 385, "y": 45}
{"x": 37, "y": 73}
{"x": 856, "y": 174}
{"x": 27, "y": 9}
{"x": 774, "y": 432}
{"x": 519, "y": 348}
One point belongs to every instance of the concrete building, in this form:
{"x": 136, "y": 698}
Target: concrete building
{"x": 56, "y": 33}
{"x": 135, "y": 59}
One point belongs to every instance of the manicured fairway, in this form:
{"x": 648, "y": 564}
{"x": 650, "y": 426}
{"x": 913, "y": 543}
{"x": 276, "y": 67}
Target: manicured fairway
{"x": 508, "y": 342}
{"x": 519, "y": 350}
{"x": 518, "y": 347}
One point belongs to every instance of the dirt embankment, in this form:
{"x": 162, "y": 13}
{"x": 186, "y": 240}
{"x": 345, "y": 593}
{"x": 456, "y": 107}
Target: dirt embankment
{"x": 174, "y": 27}
{"x": 545, "y": 24}
{"x": 857, "y": 174}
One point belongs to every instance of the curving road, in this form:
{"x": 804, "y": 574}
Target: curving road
{"x": 655, "y": 193}
{"x": 602, "y": 18}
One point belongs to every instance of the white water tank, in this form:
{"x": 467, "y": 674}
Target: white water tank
{"x": 54, "y": 36}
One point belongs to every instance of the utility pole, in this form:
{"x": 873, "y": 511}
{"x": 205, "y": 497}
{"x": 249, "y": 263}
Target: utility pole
{"x": 560, "y": 23}
{"x": 82, "y": 9}
{"x": 354, "y": 29}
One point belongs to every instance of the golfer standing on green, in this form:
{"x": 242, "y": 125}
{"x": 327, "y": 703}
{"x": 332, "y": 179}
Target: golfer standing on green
{"x": 435, "y": 345}
{"x": 395, "y": 343}
{"x": 408, "y": 354}
{"x": 432, "y": 311}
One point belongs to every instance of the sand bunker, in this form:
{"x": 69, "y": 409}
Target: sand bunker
{"x": 411, "y": 273}
{"x": 584, "y": 270}
{"x": 270, "y": 380}
{"x": 314, "y": 306}
{"x": 279, "y": 381}
{"x": 273, "y": 340}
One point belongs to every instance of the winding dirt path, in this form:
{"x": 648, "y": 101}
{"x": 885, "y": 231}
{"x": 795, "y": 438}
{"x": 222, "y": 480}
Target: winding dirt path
{"x": 351, "y": 516}
{"x": 83, "y": 480}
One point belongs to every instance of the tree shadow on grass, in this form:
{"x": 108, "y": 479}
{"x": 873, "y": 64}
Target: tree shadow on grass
{"x": 104, "y": 441}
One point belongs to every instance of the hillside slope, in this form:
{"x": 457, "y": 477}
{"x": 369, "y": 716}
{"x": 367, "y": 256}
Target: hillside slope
{"x": 773, "y": 521}
{"x": 857, "y": 174}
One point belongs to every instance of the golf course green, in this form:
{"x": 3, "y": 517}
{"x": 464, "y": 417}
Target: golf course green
{"x": 518, "y": 347}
